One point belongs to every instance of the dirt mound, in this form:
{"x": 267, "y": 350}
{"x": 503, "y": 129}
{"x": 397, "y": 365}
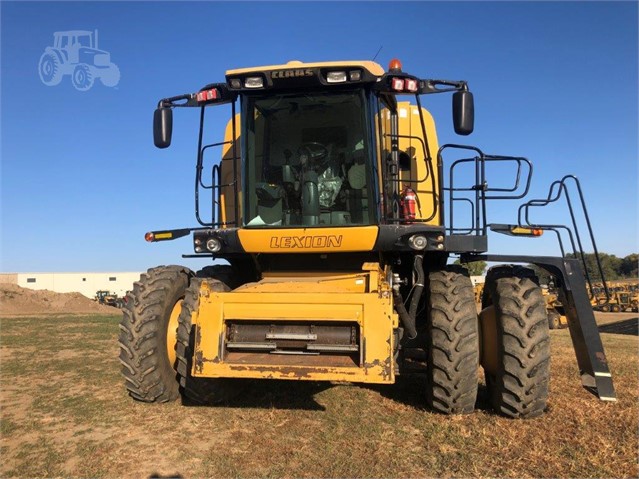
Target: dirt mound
{"x": 18, "y": 301}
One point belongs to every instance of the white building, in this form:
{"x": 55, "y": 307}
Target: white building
{"x": 85, "y": 283}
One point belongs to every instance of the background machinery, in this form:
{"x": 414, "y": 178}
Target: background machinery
{"x": 109, "y": 299}
{"x": 336, "y": 211}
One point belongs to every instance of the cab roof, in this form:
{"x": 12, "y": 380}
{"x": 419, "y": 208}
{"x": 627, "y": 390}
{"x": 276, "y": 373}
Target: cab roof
{"x": 372, "y": 67}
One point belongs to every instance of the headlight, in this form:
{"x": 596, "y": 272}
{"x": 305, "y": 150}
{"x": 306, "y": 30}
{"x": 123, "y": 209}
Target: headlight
{"x": 213, "y": 245}
{"x": 418, "y": 242}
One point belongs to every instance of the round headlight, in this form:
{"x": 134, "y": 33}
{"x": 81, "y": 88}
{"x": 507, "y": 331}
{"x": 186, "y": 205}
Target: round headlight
{"x": 213, "y": 245}
{"x": 418, "y": 242}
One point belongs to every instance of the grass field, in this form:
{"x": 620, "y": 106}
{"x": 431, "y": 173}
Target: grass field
{"x": 65, "y": 413}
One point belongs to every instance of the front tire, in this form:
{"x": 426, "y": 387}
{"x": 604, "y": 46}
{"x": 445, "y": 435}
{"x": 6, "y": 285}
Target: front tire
{"x": 197, "y": 389}
{"x": 453, "y": 342}
{"x": 519, "y": 386}
{"x": 145, "y": 355}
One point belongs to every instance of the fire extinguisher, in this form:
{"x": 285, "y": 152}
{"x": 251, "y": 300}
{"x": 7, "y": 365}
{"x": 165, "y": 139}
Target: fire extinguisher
{"x": 409, "y": 201}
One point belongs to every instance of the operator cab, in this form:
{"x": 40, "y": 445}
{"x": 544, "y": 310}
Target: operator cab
{"x": 307, "y": 158}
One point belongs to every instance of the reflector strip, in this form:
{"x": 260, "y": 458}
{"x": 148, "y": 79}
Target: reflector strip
{"x": 159, "y": 236}
{"x": 518, "y": 230}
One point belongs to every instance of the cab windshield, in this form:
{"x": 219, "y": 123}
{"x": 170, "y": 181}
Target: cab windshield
{"x": 307, "y": 160}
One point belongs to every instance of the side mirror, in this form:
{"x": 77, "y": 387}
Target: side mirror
{"x": 463, "y": 112}
{"x": 162, "y": 127}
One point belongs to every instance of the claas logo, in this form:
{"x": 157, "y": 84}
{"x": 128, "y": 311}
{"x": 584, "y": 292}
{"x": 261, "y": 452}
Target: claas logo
{"x": 307, "y": 72}
{"x": 329, "y": 241}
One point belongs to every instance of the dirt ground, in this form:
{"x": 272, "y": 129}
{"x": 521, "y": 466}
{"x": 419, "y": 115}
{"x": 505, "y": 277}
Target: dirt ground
{"x": 18, "y": 301}
{"x": 65, "y": 413}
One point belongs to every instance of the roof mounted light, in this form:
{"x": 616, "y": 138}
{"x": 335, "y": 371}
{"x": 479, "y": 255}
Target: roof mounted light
{"x": 336, "y": 77}
{"x": 395, "y": 66}
{"x": 254, "y": 82}
{"x": 150, "y": 237}
{"x": 235, "y": 83}
{"x": 355, "y": 75}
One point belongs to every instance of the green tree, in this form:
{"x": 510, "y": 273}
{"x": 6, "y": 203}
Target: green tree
{"x": 543, "y": 275}
{"x": 629, "y": 267}
{"x": 476, "y": 268}
{"x": 610, "y": 265}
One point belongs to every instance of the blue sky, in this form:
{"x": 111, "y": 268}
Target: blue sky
{"x": 81, "y": 181}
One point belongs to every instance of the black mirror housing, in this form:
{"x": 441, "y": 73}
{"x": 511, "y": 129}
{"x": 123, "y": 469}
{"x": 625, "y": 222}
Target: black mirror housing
{"x": 162, "y": 127}
{"x": 463, "y": 112}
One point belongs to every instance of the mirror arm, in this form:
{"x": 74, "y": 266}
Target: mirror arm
{"x": 189, "y": 99}
{"x": 431, "y": 86}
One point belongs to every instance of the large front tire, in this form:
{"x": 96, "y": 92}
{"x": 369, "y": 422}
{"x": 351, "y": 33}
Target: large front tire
{"x": 452, "y": 343}
{"x": 518, "y": 388}
{"x": 197, "y": 389}
{"x": 148, "y": 318}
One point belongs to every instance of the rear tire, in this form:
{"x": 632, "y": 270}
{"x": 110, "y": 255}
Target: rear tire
{"x": 452, "y": 342}
{"x": 196, "y": 389}
{"x": 519, "y": 389}
{"x": 616, "y": 308}
{"x": 146, "y": 367}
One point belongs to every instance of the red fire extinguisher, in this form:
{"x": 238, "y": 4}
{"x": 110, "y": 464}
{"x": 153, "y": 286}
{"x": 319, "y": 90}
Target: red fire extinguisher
{"x": 409, "y": 202}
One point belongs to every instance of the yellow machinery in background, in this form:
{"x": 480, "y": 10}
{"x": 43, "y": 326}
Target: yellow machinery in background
{"x": 330, "y": 219}
{"x": 556, "y": 315}
{"x": 618, "y": 296}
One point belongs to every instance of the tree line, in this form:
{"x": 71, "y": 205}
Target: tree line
{"x": 613, "y": 268}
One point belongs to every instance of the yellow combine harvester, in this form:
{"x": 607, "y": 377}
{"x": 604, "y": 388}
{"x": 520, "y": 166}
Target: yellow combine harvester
{"x": 328, "y": 207}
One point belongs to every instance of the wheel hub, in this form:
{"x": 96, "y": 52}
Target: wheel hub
{"x": 171, "y": 333}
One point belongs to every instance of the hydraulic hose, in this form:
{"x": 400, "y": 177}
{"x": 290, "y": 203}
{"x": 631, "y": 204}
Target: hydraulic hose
{"x": 418, "y": 287}
{"x": 407, "y": 321}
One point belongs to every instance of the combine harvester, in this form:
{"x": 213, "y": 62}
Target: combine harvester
{"x": 337, "y": 210}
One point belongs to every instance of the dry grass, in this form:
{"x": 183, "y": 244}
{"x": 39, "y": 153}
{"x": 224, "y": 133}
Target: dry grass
{"x": 65, "y": 414}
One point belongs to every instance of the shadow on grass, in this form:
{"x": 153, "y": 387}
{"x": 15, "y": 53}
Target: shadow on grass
{"x": 410, "y": 390}
{"x": 627, "y": 326}
{"x": 272, "y": 394}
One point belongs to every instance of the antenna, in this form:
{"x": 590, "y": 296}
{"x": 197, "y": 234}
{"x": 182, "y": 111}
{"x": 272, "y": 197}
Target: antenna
{"x": 380, "y": 49}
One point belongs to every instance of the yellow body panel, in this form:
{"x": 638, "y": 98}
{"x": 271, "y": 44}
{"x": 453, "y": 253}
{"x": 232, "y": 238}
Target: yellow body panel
{"x": 308, "y": 240}
{"x": 227, "y": 195}
{"x": 372, "y": 67}
{"x": 298, "y": 301}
